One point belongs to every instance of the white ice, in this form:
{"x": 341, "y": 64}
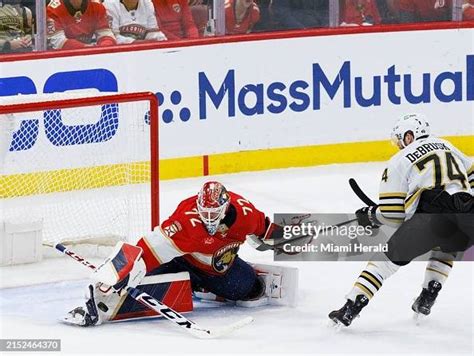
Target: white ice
{"x": 34, "y": 297}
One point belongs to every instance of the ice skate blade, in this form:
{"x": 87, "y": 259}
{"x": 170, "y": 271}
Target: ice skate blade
{"x": 419, "y": 318}
{"x": 71, "y": 322}
{"x": 78, "y": 322}
{"x": 335, "y": 324}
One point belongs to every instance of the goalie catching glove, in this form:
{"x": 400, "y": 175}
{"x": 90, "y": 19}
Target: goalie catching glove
{"x": 274, "y": 236}
{"x": 272, "y": 233}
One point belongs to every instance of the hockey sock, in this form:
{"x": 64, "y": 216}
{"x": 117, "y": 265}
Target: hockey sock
{"x": 438, "y": 267}
{"x": 372, "y": 278}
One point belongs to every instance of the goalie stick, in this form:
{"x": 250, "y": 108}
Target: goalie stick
{"x": 162, "y": 308}
{"x": 360, "y": 194}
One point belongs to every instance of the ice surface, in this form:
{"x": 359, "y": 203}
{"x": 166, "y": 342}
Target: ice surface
{"x": 34, "y": 297}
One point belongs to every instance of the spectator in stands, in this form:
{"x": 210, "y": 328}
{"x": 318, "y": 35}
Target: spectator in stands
{"x": 388, "y": 10}
{"x": 468, "y": 11}
{"x": 77, "y": 24}
{"x": 425, "y": 11}
{"x": 266, "y": 23}
{"x": 30, "y": 4}
{"x": 360, "y": 12}
{"x": 300, "y": 14}
{"x": 175, "y": 19}
{"x": 15, "y": 27}
{"x": 200, "y": 12}
{"x": 240, "y": 16}
{"x": 133, "y": 21}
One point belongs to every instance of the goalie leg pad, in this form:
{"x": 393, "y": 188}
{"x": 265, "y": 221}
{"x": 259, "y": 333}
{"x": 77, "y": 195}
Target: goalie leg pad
{"x": 104, "y": 304}
{"x": 281, "y": 286}
{"x": 274, "y": 285}
{"x": 173, "y": 289}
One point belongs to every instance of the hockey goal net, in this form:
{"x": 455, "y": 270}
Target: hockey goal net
{"x": 85, "y": 167}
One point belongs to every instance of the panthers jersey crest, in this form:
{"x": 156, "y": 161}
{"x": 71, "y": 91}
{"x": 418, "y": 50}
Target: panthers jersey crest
{"x": 224, "y": 257}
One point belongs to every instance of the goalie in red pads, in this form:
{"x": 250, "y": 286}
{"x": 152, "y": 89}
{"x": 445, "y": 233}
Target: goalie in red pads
{"x": 197, "y": 247}
{"x": 203, "y": 237}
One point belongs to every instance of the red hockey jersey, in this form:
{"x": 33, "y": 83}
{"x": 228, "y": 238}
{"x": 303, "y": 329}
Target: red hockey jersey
{"x": 427, "y": 10}
{"x": 468, "y": 11}
{"x": 69, "y": 28}
{"x": 175, "y": 19}
{"x": 184, "y": 234}
{"x": 251, "y": 17}
{"x": 360, "y": 12}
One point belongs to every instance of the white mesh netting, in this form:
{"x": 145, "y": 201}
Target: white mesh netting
{"x": 83, "y": 171}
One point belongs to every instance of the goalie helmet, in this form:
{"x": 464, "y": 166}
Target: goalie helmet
{"x": 212, "y": 204}
{"x": 414, "y": 123}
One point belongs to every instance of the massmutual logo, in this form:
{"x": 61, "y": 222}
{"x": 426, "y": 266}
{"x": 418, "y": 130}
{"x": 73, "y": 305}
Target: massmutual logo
{"x": 225, "y": 97}
{"x": 174, "y": 101}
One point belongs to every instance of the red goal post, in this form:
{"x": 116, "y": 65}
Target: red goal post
{"x": 57, "y": 156}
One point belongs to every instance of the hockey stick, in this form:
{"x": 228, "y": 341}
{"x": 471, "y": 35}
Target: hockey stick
{"x": 163, "y": 309}
{"x": 360, "y": 194}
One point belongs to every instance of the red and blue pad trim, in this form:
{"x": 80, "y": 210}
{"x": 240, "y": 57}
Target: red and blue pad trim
{"x": 119, "y": 265}
{"x": 172, "y": 289}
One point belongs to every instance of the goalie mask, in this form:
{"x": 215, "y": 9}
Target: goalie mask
{"x": 212, "y": 204}
{"x": 414, "y": 123}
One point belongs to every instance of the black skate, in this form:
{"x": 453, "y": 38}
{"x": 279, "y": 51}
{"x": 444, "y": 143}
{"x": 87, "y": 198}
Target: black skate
{"x": 426, "y": 299}
{"x": 349, "y": 311}
{"x": 84, "y": 316}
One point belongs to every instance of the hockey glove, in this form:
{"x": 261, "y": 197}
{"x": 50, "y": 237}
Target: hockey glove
{"x": 263, "y": 242}
{"x": 366, "y": 217}
{"x": 275, "y": 232}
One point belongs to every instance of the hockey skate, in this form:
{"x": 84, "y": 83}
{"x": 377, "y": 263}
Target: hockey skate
{"x": 87, "y": 315}
{"x": 349, "y": 311}
{"x": 425, "y": 301}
